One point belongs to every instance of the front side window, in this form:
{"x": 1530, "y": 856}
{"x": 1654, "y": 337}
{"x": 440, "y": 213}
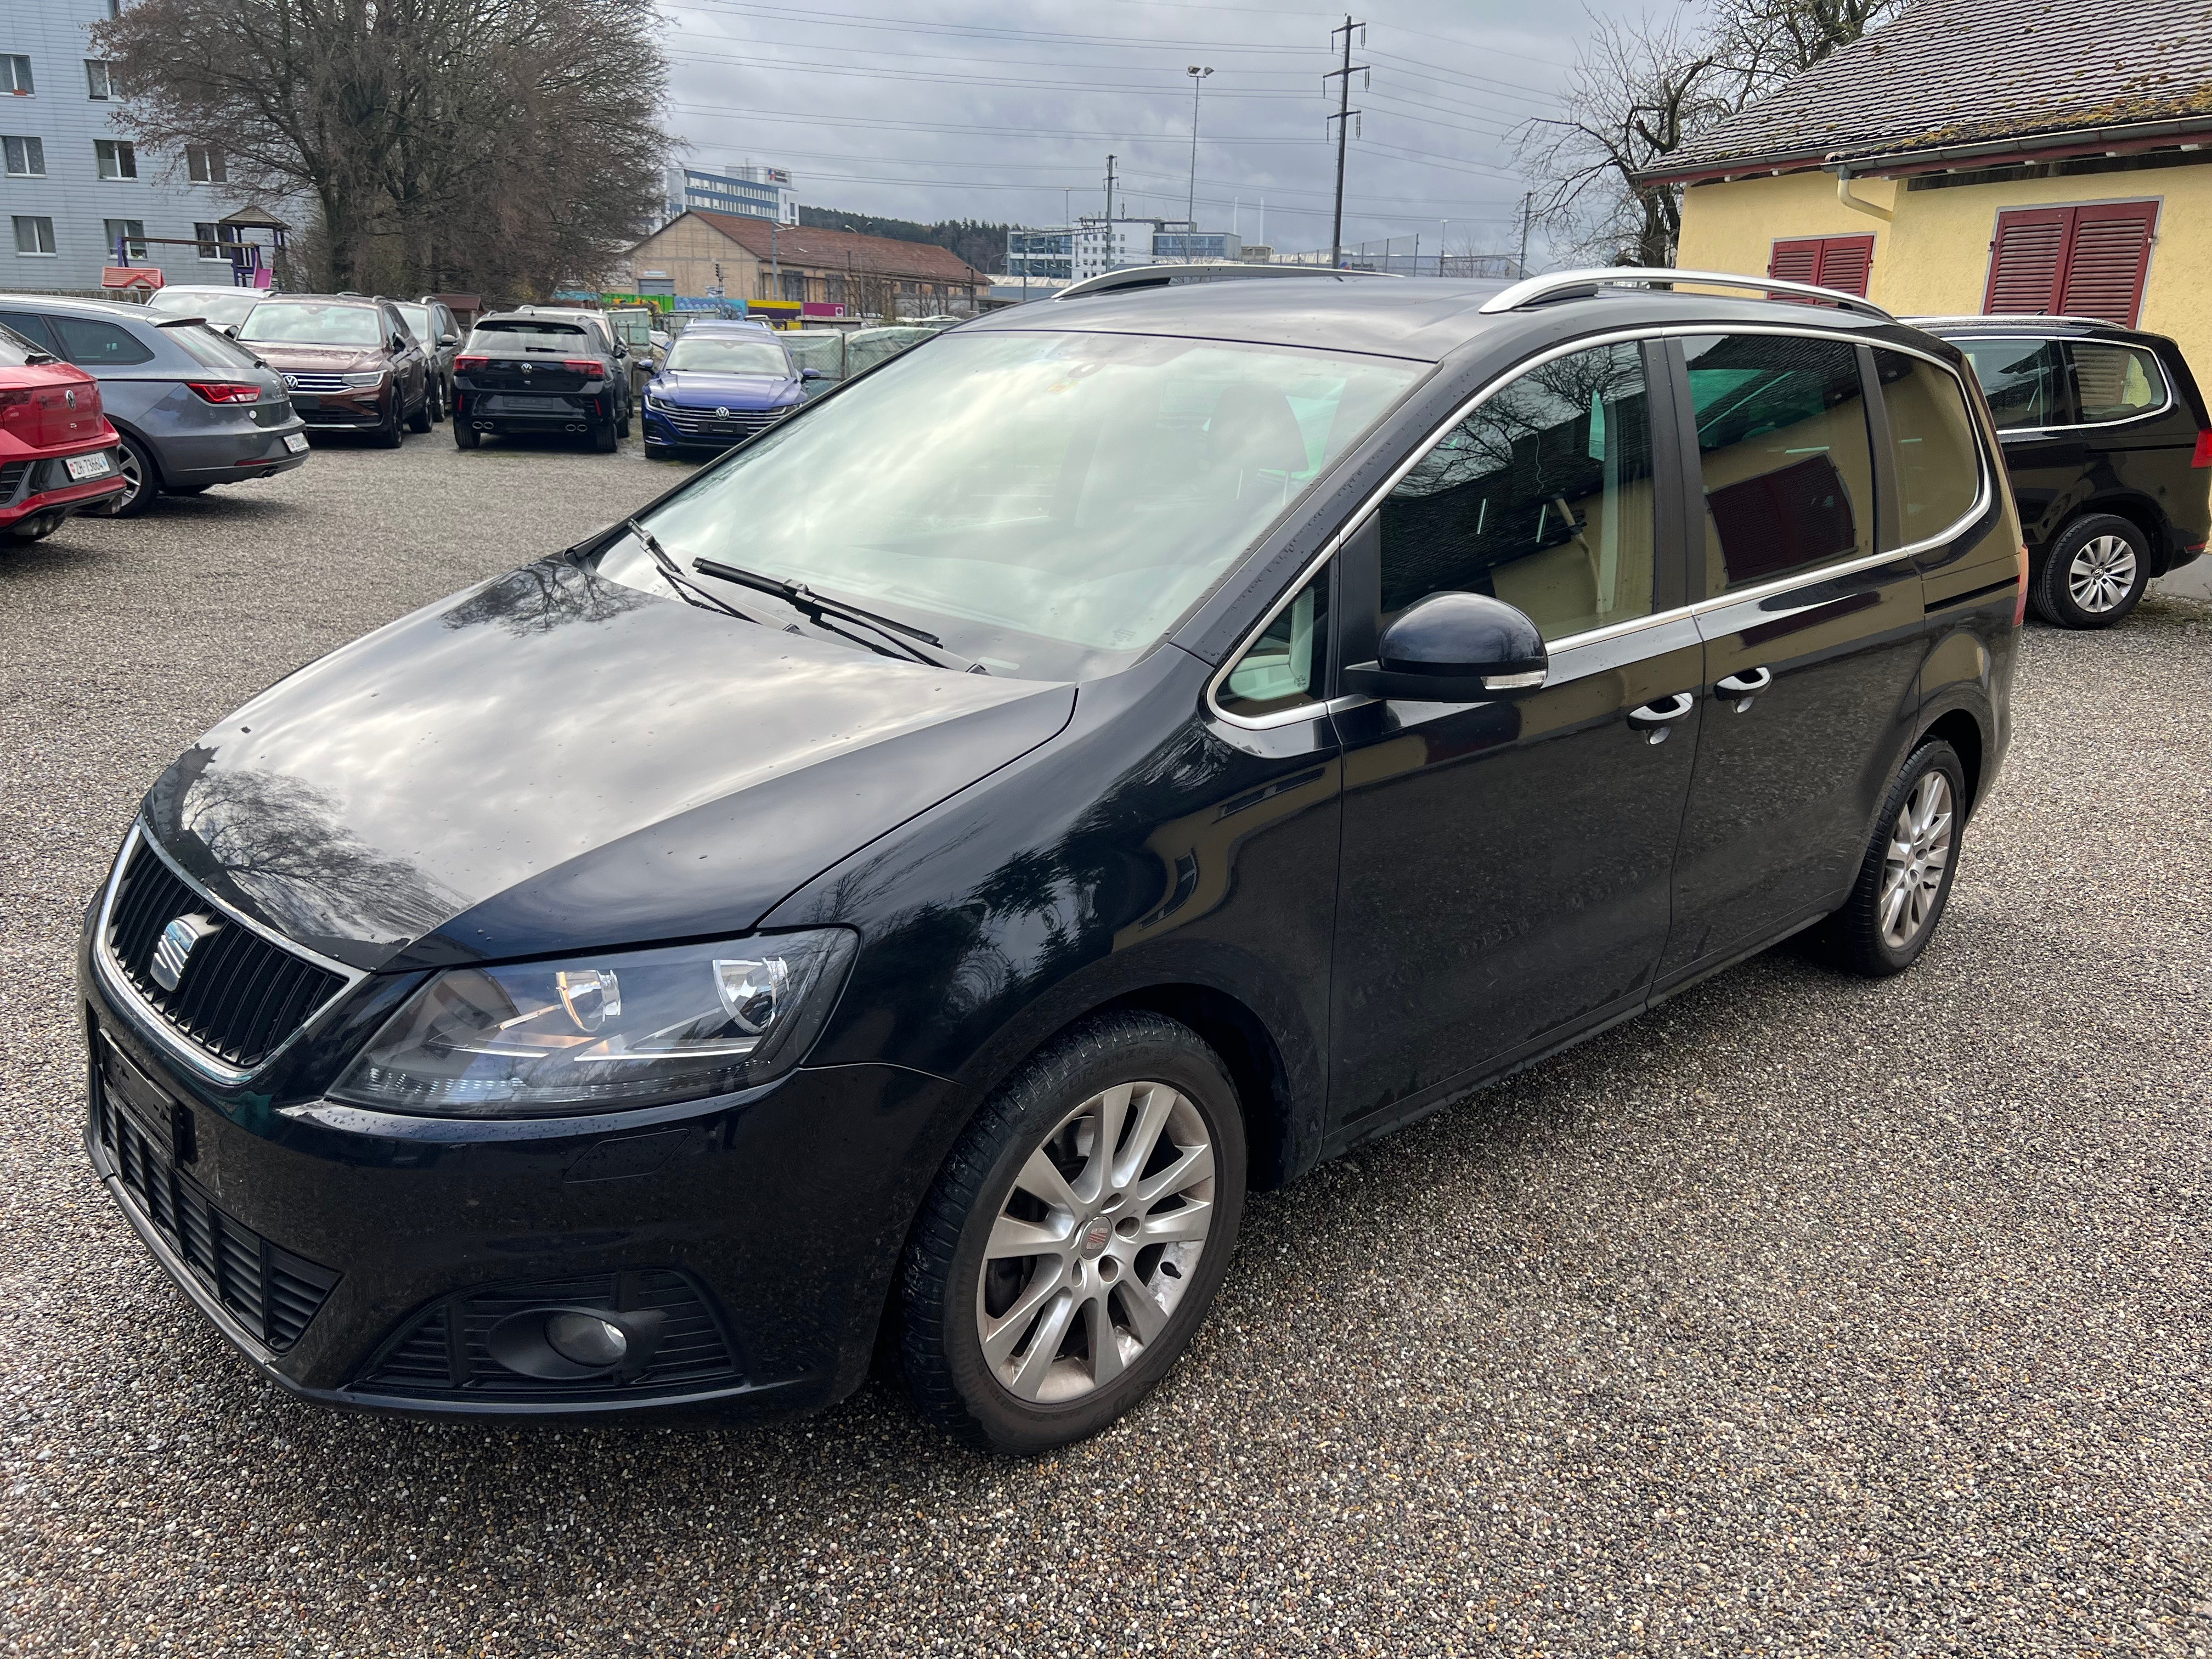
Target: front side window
{"x": 2115, "y": 382}
{"x": 1045, "y": 496}
{"x": 127, "y": 234}
{"x": 34, "y": 235}
{"x": 25, "y": 157}
{"x": 314, "y": 325}
{"x": 1938, "y": 471}
{"x": 2024, "y": 380}
{"x": 15, "y": 75}
{"x": 117, "y": 158}
{"x": 95, "y": 342}
{"x": 1782, "y": 443}
{"x": 99, "y": 79}
{"x": 1287, "y": 665}
{"x": 1541, "y": 498}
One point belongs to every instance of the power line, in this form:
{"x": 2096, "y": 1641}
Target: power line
{"x": 815, "y": 18}
{"x": 935, "y": 78}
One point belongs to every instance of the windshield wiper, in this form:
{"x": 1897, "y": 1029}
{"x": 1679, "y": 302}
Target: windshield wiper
{"x": 692, "y": 593}
{"x": 815, "y": 607}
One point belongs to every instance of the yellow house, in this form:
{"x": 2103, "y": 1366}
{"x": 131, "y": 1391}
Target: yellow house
{"x": 1981, "y": 155}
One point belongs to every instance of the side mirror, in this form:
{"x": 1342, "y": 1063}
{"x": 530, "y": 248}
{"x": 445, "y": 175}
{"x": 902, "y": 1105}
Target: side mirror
{"x": 449, "y": 339}
{"x": 811, "y": 374}
{"x": 1455, "y": 647}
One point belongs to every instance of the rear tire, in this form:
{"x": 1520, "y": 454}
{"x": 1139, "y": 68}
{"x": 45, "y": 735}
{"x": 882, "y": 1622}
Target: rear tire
{"x": 465, "y": 436}
{"x": 2096, "y": 574}
{"x": 1000, "y": 1345}
{"x": 140, "y": 474}
{"x": 1905, "y": 879}
{"x": 603, "y": 439}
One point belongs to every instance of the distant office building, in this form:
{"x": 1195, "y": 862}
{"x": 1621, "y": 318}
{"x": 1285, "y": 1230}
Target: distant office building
{"x": 74, "y": 185}
{"x": 1096, "y": 245}
{"x": 748, "y": 192}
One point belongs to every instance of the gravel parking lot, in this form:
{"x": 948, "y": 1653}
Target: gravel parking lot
{"x": 1804, "y": 1316}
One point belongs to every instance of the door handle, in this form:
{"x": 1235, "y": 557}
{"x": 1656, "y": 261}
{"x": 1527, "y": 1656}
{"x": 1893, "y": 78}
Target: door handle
{"x": 1744, "y": 686}
{"x": 1656, "y": 719}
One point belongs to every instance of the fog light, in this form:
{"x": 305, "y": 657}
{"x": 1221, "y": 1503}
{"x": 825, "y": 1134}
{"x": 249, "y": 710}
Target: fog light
{"x": 582, "y": 1340}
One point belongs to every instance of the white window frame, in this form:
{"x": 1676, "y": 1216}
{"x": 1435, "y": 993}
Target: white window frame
{"x": 118, "y": 151}
{"x": 102, "y": 89}
{"x": 136, "y": 238}
{"x": 29, "y": 88}
{"x": 205, "y": 164}
{"x": 26, "y": 140}
{"x": 22, "y": 252}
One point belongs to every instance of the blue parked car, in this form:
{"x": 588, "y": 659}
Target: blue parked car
{"x": 718, "y": 388}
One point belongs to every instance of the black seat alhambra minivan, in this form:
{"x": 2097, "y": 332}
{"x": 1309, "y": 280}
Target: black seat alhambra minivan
{"x": 901, "y": 893}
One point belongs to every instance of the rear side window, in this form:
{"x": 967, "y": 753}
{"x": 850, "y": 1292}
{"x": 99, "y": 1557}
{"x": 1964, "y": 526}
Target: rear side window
{"x": 1782, "y": 442}
{"x": 1541, "y": 498}
{"x": 1284, "y": 667}
{"x": 94, "y": 343}
{"x": 33, "y": 329}
{"x": 2115, "y": 382}
{"x": 1938, "y": 470}
{"x": 2025, "y": 381}
{"x": 216, "y": 350}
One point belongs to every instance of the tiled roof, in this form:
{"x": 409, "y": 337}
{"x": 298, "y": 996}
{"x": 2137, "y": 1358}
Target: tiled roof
{"x": 813, "y": 248}
{"x": 1968, "y": 72}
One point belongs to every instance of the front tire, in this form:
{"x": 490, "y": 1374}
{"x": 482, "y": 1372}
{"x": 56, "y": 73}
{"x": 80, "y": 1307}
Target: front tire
{"x": 1905, "y": 880}
{"x": 392, "y": 433}
{"x": 1076, "y": 1237}
{"x": 2096, "y": 574}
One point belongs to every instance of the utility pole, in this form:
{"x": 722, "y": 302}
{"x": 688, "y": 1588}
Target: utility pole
{"x": 1343, "y": 118}
{"x": 1109, "y": 190}
{"x": 1522, "y": 264}
{"x": 1190, "y": 208}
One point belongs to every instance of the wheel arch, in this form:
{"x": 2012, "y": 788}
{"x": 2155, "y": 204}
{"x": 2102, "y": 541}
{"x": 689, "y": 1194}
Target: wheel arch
{"x": 1962, "y": 730}
{"x": 2139, "y": 510}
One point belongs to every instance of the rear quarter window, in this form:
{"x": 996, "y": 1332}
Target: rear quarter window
{"x": 203, "y": 344}
{"x": 1938, "y": 472}
{"x": 2115, "y": 382}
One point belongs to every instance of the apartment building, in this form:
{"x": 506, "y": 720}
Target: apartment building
{"x": 73, "y": 186}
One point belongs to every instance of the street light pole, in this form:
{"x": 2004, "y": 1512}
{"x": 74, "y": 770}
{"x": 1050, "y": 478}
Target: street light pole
{"x": 1190, "y": 208}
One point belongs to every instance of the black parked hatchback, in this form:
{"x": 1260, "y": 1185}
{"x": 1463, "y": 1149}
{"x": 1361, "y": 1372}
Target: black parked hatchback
{"x": 2110, "y": 453}
{"x": 932, "y": 864}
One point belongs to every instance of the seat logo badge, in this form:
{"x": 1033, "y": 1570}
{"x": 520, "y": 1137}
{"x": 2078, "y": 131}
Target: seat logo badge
{"x": 175, "y": 947}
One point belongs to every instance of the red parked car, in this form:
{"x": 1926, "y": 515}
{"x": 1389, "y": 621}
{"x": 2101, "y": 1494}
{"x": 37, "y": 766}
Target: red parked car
{"x": 56, "y": 449}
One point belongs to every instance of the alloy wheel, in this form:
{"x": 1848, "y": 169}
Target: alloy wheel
{"x": 134, "y": 479}
{"x": 1919, "y": 854}
{"x": 1094, "y": 1247}
{"x": 2101, "y": 574}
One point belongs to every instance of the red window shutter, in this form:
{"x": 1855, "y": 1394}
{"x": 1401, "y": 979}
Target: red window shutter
{"x": 2027, "y": 260}
{"x": 1797, "y": 262}
{"x": 1845, "y": 263}
{"x": 2107, "y": 260}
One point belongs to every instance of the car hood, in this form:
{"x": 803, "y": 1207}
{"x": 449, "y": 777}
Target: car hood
{"x": 556, "y": 761}
{"x": 290, "y": 355}
{"x": 689, "y": 387}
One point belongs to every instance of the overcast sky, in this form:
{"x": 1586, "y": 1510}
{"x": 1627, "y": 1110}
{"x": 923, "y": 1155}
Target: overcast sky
{"x": 1007, "y": 109}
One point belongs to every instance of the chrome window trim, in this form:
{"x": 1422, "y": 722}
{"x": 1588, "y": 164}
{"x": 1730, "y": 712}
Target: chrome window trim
{"x": 2164, "y": 380}
{"x": 148, "y": 1020}
{"x": 1357, "y": 519}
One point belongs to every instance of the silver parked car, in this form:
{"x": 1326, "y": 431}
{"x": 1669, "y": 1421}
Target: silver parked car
{"x": 223, "y": 306}
{"x": 193, "y": 407}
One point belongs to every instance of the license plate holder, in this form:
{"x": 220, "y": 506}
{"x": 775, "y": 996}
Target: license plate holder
{"x": 296, "y": 442}
{"x": 299, "y": 401}
{"x": 83, "y": 467}
{"x": 167, "y": 1124}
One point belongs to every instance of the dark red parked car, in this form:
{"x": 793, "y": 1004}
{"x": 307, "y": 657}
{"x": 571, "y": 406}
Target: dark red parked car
{"x": 56, "y": 449}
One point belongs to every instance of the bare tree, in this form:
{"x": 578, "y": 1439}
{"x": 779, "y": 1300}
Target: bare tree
{"x": 504, "y": 145}
{"x": 1639, "y": 90}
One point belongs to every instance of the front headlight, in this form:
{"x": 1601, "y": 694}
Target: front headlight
{"x": 596, "y": 1033}
{"x": 365, "y": 382}
{"x": 654, "y": 400}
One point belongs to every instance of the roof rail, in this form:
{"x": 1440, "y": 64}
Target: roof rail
{"x": 2007, "y": 317}
{"x": 1559, "y": 284}
{"x": 1205, "y": 270}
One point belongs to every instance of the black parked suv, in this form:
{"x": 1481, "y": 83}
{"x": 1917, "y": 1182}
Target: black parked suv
{"x": 2110, "y": 452}
{"x": 525, "y": 373}
{"x": 932, "y": 864}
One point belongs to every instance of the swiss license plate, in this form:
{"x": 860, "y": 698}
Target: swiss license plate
{"x": 81, "y": 467}
{"x": 296, "y": 442}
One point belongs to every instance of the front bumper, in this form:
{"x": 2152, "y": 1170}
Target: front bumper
{"x": 346, "y": 411}
{"x": 786, "y": 1207}
{"x": 699, "y": 428}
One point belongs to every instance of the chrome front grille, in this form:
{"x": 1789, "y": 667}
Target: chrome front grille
{"x": 316, "y": 383}
{"x": 240, "y": 995}
{"x": 739, "y": 423}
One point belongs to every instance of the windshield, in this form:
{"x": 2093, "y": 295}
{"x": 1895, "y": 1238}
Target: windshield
{"x": 314, "y": 325}
{"x": 713, "y": 355}
{"x": 223, "y": 310}
{"x": 1031, "y": 492}
{"x": 531, "y": 337}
